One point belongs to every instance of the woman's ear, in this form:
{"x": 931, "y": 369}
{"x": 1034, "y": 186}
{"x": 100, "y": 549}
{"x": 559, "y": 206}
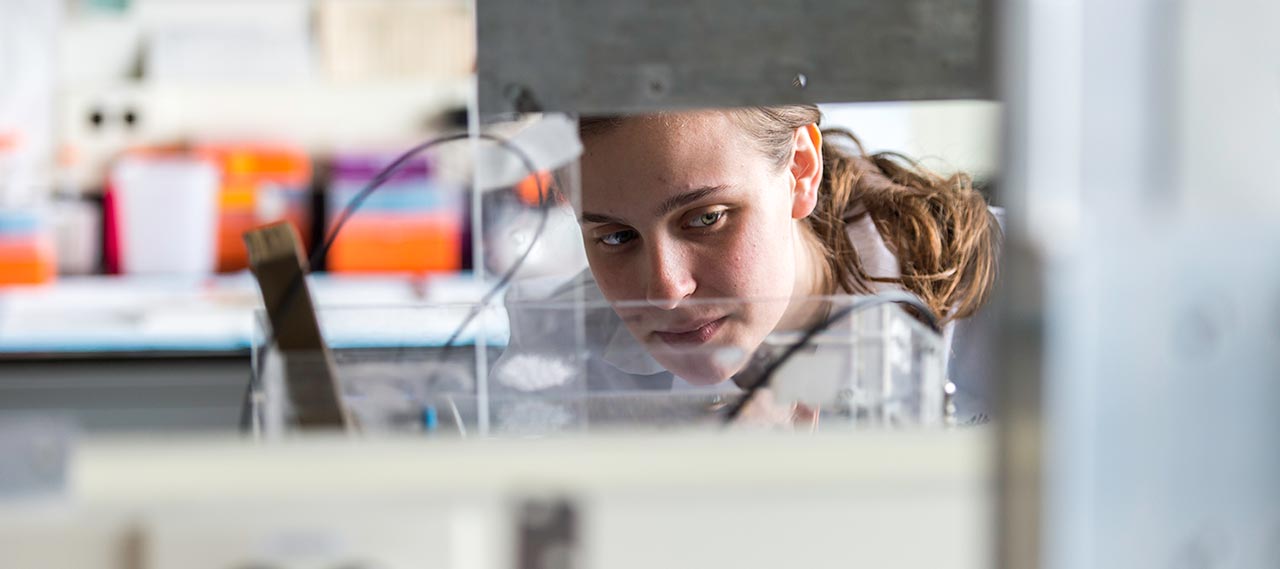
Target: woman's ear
{"x": 806, "y": 171}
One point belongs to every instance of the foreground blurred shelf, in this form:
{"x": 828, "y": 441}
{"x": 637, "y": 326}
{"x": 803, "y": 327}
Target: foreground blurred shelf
{"x": 740, "y": 499}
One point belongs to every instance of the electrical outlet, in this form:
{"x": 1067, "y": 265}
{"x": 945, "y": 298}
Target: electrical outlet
{"x": 95, "y": 125}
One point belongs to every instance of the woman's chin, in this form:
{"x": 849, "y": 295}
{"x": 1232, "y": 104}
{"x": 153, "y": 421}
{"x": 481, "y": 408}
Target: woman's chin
{"x": 702, "y": 370}
{"x": 704, "y": 366}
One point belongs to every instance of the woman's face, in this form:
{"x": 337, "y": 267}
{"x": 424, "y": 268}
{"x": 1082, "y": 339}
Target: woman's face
{"x": 686, "y": 207}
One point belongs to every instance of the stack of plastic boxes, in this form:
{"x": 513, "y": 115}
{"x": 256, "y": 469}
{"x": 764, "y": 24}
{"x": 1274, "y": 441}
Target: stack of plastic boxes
{"x": 414, "y": 223}
{"x": 26, "y": 248}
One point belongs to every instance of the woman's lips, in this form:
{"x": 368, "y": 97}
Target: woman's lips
{"x": 692, "y": 335}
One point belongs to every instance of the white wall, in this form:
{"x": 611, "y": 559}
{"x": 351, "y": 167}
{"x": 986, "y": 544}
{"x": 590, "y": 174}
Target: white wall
{"x": 945, "y": 135}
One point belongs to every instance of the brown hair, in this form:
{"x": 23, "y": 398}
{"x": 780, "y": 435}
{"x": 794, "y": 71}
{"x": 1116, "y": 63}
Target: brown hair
{"x": 938, "y": 226}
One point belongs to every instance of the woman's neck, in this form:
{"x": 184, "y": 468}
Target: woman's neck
{"x": 812, "y": 279}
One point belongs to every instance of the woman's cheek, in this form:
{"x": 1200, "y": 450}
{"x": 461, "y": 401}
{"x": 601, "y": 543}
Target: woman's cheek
{"x": 725, "y": 264}
{"x": 612, "y": 278}
{"x": 757, "y": 270}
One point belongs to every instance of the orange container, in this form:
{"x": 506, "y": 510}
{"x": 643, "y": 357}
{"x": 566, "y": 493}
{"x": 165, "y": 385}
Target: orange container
{"x": 261, "y": 184}
{"x": 27, "y": 260}
{"x": 390, "y": 243}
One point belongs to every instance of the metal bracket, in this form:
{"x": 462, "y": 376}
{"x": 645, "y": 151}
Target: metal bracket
{"x": 547, "y": 534}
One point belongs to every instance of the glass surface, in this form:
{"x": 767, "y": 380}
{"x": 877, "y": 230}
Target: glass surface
{"x": 564, "y": 367}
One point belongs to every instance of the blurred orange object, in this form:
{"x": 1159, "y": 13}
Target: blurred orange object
{"x": 27, "y": 254}
{"x": 261, "y": 184}
{"x": 528, "y": 189}
{"x": 30, "y": 262}
{"x": 390, "y": 243}
{"x": 10, "y": 140}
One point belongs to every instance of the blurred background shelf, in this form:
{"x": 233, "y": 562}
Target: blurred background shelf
{"x": 97, "y": 122}
{"x": 214, "y": 315}
{"x": 147, "y": 353}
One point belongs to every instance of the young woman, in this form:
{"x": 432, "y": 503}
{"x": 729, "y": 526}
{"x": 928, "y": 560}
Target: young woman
{"x": 755, "y": 203}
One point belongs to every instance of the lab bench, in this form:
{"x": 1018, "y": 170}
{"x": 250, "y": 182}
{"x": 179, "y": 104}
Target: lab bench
{"x": 120, "y": 354}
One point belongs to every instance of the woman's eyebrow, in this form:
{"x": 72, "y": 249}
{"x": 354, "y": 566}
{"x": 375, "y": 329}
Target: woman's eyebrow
{"x": 680, "y": 200}
{"x": 588, "y": 217}
{"x": 667, "y": 206}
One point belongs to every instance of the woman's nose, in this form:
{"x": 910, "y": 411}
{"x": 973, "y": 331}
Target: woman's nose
{"x": 670, "y": 279}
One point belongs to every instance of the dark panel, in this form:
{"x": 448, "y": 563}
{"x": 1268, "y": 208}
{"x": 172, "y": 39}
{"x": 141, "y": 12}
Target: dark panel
{"x": 118, "y": 394}
{"x": 595, "y": 56}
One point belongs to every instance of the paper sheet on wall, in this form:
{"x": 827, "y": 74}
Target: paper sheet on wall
{"x": 28, "y": 31}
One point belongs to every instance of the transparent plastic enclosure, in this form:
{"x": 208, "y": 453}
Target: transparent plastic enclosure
{"x": 541, "y": 367}
{"x": 542, "y": 352}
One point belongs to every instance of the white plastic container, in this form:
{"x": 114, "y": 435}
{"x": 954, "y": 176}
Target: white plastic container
{"x": 166, "y": 212}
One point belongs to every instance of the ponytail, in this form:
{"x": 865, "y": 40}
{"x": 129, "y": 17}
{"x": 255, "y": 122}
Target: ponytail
{"x": 939, "y": 227}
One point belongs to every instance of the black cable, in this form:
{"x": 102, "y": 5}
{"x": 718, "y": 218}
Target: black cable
{"x": 859, "y": 304}
{"x": 321, "y": 252}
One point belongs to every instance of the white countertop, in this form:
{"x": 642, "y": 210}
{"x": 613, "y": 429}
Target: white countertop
{"x": 217, "y": 313}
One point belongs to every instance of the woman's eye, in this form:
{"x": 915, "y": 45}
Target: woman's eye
{"x": 707, "y": 219}
{"x": 618, "y": 237}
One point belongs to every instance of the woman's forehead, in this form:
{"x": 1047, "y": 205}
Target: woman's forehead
{"x": 670, "y": 143}
{"x": 665, "y": 119}
{"x": 644, "y": 161}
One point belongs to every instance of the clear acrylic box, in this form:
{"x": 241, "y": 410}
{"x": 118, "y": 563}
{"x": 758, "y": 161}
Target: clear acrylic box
{"x": 531, "y": 368}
